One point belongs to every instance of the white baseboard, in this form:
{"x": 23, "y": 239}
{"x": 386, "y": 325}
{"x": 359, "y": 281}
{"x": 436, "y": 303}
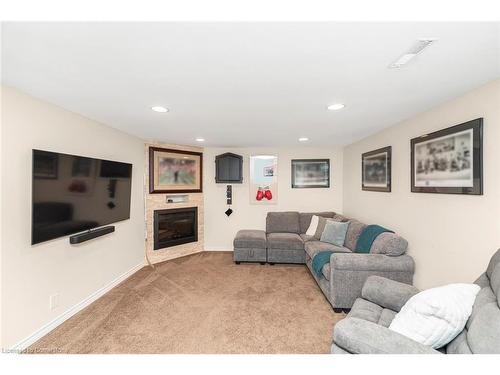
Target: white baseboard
{"x": 38, "y": 334}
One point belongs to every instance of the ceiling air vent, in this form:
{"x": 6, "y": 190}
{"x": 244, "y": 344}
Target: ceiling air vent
{"x": 418, "y": 47}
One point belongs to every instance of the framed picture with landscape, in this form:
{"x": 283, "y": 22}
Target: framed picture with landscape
{"x": 175, "y": 171}
{"x": 449, "y": 161}
{"x": 376, "y": 170}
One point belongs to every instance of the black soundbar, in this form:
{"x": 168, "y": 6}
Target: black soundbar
{"x": 82, "y": 237}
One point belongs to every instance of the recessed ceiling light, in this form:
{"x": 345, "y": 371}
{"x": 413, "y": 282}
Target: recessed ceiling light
{"x": 160, "y": 109}
{"x": 336, "y": 106}
{"x": 200, "y": 139}
{"x": 303, "y": 139}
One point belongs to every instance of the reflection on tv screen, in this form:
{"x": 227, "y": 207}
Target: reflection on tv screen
{"x": 73, "y": 194}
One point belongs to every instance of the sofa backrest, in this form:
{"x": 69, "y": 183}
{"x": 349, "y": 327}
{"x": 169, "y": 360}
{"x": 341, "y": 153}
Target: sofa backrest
{"x": 482, "y": 331}
{"x": 305, "y": 219}
{"x": 387, "y": 243}
{"x": 283, "y": 222}
{"x": 52, "y": 212}
{"x": 353, "y": 231}
{"x": 340, "y": 218}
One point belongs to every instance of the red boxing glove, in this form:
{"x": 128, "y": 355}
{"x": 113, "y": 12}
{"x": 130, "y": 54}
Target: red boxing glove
{"x": 268, "y": 194}
{"x": 260, "y": 194}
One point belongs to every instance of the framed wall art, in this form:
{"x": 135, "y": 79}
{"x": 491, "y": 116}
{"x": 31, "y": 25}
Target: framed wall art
{"x": 449, "y": 161}
{"x": 175, "y": 171}
{"x": 310, "y": 173}
{"x": 263, "y": 179}
{"x": 376, "y": 170}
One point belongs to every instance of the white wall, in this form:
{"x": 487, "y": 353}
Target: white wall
{"x": 451, "y": 237}
{"x": 220, "y": 229}
{"x": 30, "y": 274}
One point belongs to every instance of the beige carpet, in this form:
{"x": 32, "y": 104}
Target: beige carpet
{"x": 203, "y": 303}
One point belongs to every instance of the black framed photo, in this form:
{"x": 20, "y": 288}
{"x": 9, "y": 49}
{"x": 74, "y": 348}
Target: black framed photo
{"x": 45, "y": 165}
{"x": 376, "y": 170}
{"x": 449, "y": 161}
{"x": 310, "y": 173}
{"x": 81, "y": 167}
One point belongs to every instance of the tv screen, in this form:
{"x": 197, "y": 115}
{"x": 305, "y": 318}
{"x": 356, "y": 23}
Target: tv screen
{"x": 73, "y": 194}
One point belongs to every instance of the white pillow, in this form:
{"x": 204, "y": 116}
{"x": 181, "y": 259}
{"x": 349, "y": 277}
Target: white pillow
{"x": 436, "y": 316}
{"x": 313, "y": 226}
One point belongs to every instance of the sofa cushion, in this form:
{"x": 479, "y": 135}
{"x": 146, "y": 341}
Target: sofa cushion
{"x": 305, "y": 218}
{"x": 483, "y": 281}
{"x": 459, "y": 344}
{"x": 495, "y": 282}
{"x": 284, "y": 241}
{"x": 321, "y": 227}
{"x": 495, "y": 259}
{"x": 334, "y": 232}
{"x": 353, "y": 232}
{"x": 282, "y": 222}
{"x": 483, "y": 335}
{"x": 313, "y": 226}
{"x": 363, "y": 309}
{"x": 390, "y": 294}
{"x": 340, "y": 218}
{"x": 364, "y": 337}
{"x": 250, "y": 239}
{"x": 389, "y": 244}
{"x": 483, "y": 327}
{"x": 386, "y": 317}
{"x": 313, "y": 247}
{"x": 484, "y": 297}
{"x": 366, "y": 310}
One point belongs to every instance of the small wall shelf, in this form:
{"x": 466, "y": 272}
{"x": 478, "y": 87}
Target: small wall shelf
{"x": 177, "y": 198}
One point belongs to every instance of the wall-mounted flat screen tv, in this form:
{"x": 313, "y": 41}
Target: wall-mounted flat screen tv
{"x": 72, "y": 194}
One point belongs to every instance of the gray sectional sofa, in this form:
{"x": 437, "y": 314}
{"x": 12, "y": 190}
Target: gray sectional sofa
{"x": 365, "y": 331}
{"x": 341, "y": 280}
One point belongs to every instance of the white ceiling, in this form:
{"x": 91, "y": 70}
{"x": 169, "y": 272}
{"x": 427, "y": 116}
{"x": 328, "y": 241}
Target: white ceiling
{"x": 247, "y": 84}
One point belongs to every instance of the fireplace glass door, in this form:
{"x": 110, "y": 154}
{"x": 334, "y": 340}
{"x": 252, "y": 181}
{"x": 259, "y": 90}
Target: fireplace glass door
{"x": 175, "y": 227}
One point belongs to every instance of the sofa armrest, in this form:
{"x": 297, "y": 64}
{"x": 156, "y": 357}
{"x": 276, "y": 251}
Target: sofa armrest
{"x": 363, "y": 337}
{"x": 349, "y": 272}
{"x": 371, "y": 262}
{"x": 387, "y": 293}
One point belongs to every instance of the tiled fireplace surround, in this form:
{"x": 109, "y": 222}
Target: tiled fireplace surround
{"x": 159, "y": 202}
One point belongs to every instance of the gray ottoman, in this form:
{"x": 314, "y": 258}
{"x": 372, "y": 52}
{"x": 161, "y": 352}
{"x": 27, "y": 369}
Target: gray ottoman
{"x": 250, "y": 246}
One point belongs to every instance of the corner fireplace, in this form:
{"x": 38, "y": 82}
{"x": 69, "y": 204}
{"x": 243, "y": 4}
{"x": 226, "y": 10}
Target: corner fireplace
{"x": 175, "y": 227}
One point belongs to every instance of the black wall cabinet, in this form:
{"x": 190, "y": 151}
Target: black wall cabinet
{"x": 229, "y": 168}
